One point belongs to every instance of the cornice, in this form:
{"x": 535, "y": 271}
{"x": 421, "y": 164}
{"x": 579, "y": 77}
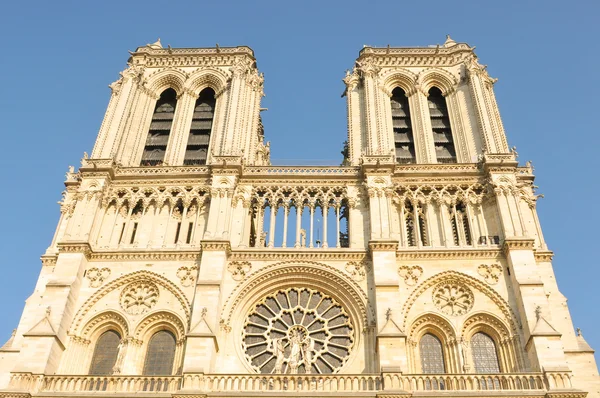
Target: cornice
{"x": 48, "y": 260}
{"x": 417, "y": 56}
{"x": 170, "y": 171}
{"x": 170, "y": 255}
{"x": 518, "y": 243}
{"x": 566, "y": 394}
{"x": 216, "y": 245}
{"x": 383, "y": 245}
{"x": 300, "y": 171}
{"x": 74, "y": 247}
{"x": 438, "y": 168}
{"x": 448, "y": 254}
{"x": 278, "y": 254}
{"x": 543, "y": 255}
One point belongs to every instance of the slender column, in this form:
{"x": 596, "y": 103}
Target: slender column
{"x": 459, "y": 233}
{"x": 337, "y": 223}
{"x": 99, "y": 229}
{"x": 511, "y": 215}
{"x": 416, "y": 226}
{"x": 312, "y": 218}
{"x": 245, "y": 215}
{"x": 298, "y": 224}
{"x": 153, "y": 225}
{"x": 471, "y": 225}
{"x": 325, "y": 210}
{"x": 82, "y": 216}
{"x": 172, "y": 206}
{"x": 96, "y": 221}
{"x": 126, "y": 229}
{"x": 444, "y": 222}
{"x": 195, "y": 226}
{"x": 538, "y": 228}
{"x": 483, "y": 224}
{"x": 142, "y": 224}
{"x": 114, "y": 224}
{"x": 259, "y": 224}
{"x": 183, "y": 220}
{"x": 403, "y": 240}
{"x": 286, "y": 213}
{"x": 522, "y": 221}
{"x": 272, "y": 225}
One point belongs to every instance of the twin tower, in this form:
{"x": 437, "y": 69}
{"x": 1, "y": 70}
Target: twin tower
{"x": 185, "y": 264}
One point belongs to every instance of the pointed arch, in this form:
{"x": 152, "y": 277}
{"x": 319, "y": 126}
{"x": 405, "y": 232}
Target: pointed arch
{"x": 104, "y": 321}
{"x": 122, "y": 281}
{"x": 436, "y": 77}
{"x": 399, "y": 77}
{"x": 202, "y": 78}
{"x": 166, "y": 78}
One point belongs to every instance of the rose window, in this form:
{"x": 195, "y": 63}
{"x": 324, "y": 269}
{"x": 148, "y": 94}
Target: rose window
{"x": 139, "y": 297}
{"x": 453, "y": 298}
{"x": 297, "y": 331}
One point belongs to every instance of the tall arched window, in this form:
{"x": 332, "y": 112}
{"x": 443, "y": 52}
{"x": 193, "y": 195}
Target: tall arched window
{"x": 196, "y": 151}
{"x": 461, "y": 229}
{"x": 160, "y": 354}
{"x": 403, "y": 134}
{"x": 485, "y": 355}
{"x": 432, "y": 354}
{"x": 160, "y": 128}
{"x": 105, "y": 353}
{"x": 440, "y": 126}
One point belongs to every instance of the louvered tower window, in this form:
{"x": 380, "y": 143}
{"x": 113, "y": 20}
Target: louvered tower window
{"x": 432, "y": 355}
{"x": 160, "y": 354}
{"x": 485, "y": 356}
{"x": 105, "y": 353}
{"x": 196, "y": 151}
{"x": 440, "y": 126}
{"x": 403, "y": 134}
{"x": 160, "y": 128}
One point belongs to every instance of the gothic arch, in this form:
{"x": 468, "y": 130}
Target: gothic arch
{"x": 432, "y": 323}
{"x": 160, "y": 320}
{"x": 486, "y": 323}
{"x": 436, "y": 77}
{"x": 169, "y": 78}
{"x": 310, "y": 273}
{"x": 202, "y": 78}
{"x": 104, "y": 321}
{"x": 400, "y": 77}
{"x": 494, "y": 296}
{"x": 124, "y": 280}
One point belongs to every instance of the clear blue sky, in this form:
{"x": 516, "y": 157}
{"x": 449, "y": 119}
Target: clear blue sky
{"x": 58, "y": 58}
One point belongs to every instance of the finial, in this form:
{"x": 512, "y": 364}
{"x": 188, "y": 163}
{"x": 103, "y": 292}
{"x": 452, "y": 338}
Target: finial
{"x": 203, "y": 312}
{"x": 538, "y": 312}
{"x": 156, "y": 45}
{"x": 388, "y": 314}
{"x": 579, "y": 332}
{"x": 48, "y": 310}
{"x": 218, "y": 48}
{"x": 449, "y": 42}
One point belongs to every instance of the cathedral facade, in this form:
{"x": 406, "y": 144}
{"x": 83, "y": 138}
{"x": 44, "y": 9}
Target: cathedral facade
{"x": 185, "y": 264}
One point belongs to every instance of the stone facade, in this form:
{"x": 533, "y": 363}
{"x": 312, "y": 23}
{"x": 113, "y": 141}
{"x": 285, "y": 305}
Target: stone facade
{"x": 320, "y": 281}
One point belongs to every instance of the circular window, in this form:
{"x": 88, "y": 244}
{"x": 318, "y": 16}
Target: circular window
{"x": 297, "y": 330}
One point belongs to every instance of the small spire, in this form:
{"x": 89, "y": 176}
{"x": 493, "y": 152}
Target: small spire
{"x": 449, "y": 42}
{"x": 156, "y": 45}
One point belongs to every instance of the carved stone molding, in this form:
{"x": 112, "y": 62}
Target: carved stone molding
{"x": 75, "y": 247}
{"x": 146, "y": 256}
{"x": 433, "y": 254}
{"x": 139, "y": 297}
{"x": 187, "y": 275}
{"x": 239, "y": 269}
{"x": 357, "y": 269}
{"x": 518, "y": 244}
{"x": 97, "y": 276}
{"x": 490, "y": 273}
{"x": 387, "y": 245}
{"x": 48, "y": 261}
{"x": 298, "y": 255}
{"x": 216, "y": 245}
{"x": 410, "y": 274}
{"x": 543, "y": 255}
{"x": 453, "y": 298}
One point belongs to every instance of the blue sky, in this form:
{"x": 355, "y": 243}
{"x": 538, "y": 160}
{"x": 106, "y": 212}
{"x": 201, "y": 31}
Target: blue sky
{"x": 59, "y": 57}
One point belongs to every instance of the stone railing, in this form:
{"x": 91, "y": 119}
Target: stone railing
{"x": 257, "y": 383}
{"x": 301, "y": 170}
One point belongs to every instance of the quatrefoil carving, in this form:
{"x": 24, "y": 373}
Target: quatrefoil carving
{"x": 410, "y": 273}
{"x": 491, "y": 273}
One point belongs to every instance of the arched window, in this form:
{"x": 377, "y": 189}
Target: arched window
{"x": 160, "y": 128}
{"x": 440, "y": 126}
{"x": 403, "y": 134}
{"x": 197, "y": 147}
{"x": 485, "y": 356}
{"x": 461, "y": 229}
{"x": 160, "y": 354}
{"x": 105, "y": 353}
{"x": 432, "y": 354}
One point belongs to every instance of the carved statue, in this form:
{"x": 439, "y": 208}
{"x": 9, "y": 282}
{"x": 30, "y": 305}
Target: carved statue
{"x": 302, "y": 237}
{"x": 278, "y": 350}
{"x": 465, "y": 351}
{"x": 122, "y": 350}
{"x": 307, "y": 350}
{"x": 295, "y": 358}
{"x": 263, "y": 239}
{"x": 263, "y": 154}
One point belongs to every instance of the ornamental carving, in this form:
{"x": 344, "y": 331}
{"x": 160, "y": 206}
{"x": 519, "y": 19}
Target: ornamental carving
{"x": 187, "y": 275}
{"x": 239, "y": 269}
{"x": 357, "y": 269}
{"x": 410, "y": 274}
{"x": 97, "y": 276}
{"x": 490, "y": 273}
{"x": 297, "y": 330}
{"x": 453, "y": 298}
{"x": 139, "y": 297}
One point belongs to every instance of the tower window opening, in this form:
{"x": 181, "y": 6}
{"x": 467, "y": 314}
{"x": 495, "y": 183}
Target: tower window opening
{"x": 461, "y": 229}
{"x": 122, "y": 232}
{"x": 135, "y": 225}
{"x": 177, "y": 231}
{"x": 402, "y": 126}
{"x": 160, "y": 128}
{"x": 188, "y": 239}
{"x": 196, "y": 151}
{"x": 440, "y": 126}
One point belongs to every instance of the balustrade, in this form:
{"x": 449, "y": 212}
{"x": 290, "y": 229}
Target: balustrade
{"x": 298, "y": 383}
